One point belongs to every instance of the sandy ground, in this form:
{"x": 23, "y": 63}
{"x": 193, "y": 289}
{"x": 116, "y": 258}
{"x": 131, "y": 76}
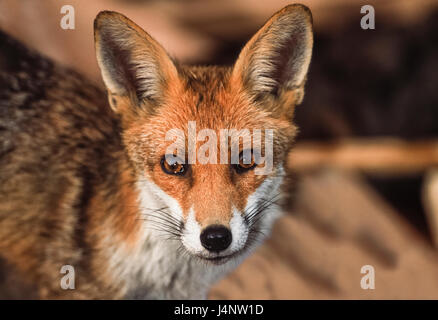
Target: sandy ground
{"x": 317, "y": 250}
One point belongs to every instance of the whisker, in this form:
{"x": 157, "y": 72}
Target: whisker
{"x": 150, "y": 217}
{"x": 261, "y": 207}
{"x": 256, "y": 208}
{"x": 162, "y": 221}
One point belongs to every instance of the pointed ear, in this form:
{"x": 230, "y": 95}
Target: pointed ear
{"x": 276, "y": 59}
{"x": 132, "y": 63}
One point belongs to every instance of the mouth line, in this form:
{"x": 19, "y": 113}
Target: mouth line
{"x": 218, "y": 259}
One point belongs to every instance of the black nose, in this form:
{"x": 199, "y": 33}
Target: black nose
{"x": 216, "y": 238}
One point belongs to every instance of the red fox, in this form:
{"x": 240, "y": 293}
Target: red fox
{"x": 90, "y": 184}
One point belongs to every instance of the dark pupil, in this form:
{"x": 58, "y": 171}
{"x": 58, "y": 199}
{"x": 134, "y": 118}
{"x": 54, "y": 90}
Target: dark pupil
{"x": 174, "y": 167}
{"x": 245, "y": 161}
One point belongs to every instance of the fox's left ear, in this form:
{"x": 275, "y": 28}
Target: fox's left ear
{"x": 275, "y": 61}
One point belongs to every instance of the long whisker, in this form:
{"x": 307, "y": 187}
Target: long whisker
{"x": 260, "y": 208}
{"x": 256, "y": 208}
{"x": 150, "y": 217}
{"x": 161, "y": 220}
{"x": 262, "y": 212}
{"x": 164, "y": 227}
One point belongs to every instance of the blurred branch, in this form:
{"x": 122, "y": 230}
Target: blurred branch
{"x": 430, "y": 202}
{"x": 379, "y": 155}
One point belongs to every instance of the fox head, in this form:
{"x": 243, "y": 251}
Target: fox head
{"x": 215, "y": 209}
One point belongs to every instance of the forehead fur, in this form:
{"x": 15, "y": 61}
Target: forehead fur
{"x": 208, "y": 96}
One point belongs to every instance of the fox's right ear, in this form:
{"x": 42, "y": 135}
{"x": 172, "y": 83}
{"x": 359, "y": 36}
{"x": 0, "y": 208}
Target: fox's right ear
{"x": 133, "y": 65}
{"x": 276, "y": 59}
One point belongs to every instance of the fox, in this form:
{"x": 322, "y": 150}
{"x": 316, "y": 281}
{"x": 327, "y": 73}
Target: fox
{"x": 85, "y": 176}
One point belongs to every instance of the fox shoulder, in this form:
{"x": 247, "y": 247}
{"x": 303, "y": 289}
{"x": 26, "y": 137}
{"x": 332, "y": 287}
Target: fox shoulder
{"x": 59, "y": 143}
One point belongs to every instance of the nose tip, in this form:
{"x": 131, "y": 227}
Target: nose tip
{"x": 216, "y": 238}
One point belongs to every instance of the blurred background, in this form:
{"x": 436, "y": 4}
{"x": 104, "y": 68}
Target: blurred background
{"x": 364, "y": 183}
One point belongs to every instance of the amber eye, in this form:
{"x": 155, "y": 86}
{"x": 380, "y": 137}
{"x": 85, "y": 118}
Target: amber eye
{"x": 246, "y": 162}
{"x": 173, "y": 165}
